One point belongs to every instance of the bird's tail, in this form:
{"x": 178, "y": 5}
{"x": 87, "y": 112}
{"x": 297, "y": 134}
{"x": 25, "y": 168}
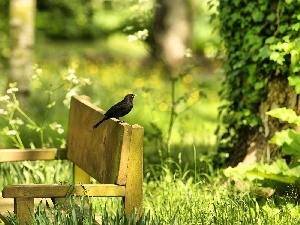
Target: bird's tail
{"x": 97, "y": 124}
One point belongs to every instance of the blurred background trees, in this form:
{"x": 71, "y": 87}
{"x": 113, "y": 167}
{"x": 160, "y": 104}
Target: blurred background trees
{"x": 172, "y": 32}
{"x": 110, "y": 42}
{"x": 260, "y": 41}
{"x": 22, "y": 39}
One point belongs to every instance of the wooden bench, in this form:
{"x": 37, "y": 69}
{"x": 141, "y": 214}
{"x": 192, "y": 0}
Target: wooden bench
{"x": 112, "y": 154}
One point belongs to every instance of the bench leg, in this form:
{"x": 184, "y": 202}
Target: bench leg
{"x": 134, "y": 192}
{"x": 23, "y": 207}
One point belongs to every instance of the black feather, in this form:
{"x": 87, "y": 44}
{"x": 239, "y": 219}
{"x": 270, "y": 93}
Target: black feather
{"x": 120, "y": 109}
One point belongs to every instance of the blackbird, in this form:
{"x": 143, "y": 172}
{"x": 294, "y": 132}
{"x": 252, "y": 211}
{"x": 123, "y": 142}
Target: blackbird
{"x": 118, "y": 110}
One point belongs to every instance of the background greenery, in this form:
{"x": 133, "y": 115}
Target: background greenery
{"x": 90, "y": 54}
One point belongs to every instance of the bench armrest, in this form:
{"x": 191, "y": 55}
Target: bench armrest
{"x": 11, "y": 155}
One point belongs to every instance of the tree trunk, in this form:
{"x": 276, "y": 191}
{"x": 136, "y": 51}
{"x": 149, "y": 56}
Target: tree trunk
{"x": 255, "y": 142}
{"x": 172, "y": 29}
{"x": 22, "y": 20}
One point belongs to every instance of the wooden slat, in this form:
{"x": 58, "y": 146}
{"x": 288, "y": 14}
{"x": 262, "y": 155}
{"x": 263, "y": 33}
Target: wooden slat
{"x": 11, "y": 155}
{"x": 101, "y": 152}
{"x": 134, "y": 185}
{"x": 48, "y": 191}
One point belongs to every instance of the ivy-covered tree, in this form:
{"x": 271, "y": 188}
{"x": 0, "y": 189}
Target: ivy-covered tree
{"x": 263, "y": 45}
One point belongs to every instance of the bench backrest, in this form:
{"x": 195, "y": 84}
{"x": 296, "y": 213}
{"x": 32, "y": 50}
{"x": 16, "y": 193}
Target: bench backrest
{"x": 102, "y": 152}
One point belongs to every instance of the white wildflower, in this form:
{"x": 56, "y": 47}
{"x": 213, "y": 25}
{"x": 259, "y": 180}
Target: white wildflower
{"x": 4, "y": 98}
{"x": 87, "y": 81}
{"x": 11, "y": 132}
{"x": 132, "y": 38}
{"x": 17, "y": 121}
{"x": 142, "y": 34}
{"x": 57, "y": 127}
{"x": 188, "y": 53}
{"x": 3, "y": 112}
{"x": 11, "y": 90}
{"x": 39, "y": 71}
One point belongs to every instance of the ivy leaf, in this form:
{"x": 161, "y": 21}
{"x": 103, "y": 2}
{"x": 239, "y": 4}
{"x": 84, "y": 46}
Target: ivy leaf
{"x": 259, "y": 85}
{"x": 271, "y": 17}
{"x": 277, "y": 57}
{"x": 296, "y": 26}
{"x": 270, "y": 40}
{"x": 295, "y": 81}
{"x": 264, "y": 52}
{"x": 251, "y": 70}
{"x": 257, "y": 16}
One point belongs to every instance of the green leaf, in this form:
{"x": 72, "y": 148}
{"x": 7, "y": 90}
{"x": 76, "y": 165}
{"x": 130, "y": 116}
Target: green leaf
{"x": 259, "y": 85}
{"x": 264, "y": 52}
{"x": 294, "y": 80}
{"x": 296, "y": 26}
{"x": 289, "y": 141}
{"x": 277, "y": 57}
{"x": 270, "y": 40}
{"x": 271, "y": 17}
{"x": 277, "y": 171}
{"x": 257, "y": 16}
{"x": 285, "y": 114}
{"x": 251, "y": 70}
{"x": 281, "y": 138}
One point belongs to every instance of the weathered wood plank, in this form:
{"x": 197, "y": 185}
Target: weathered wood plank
{"x": 49, "y": 190}
{"x": 134, "y": 185}
{"x": 100, "y": 152}
{"x": 11, "y": 155}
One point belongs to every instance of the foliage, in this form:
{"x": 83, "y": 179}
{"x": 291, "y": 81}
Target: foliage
{"x": 289, "y": 139}
{"x": 279, "y": 174}
{"x": 262, "y": 43}
{"x": 18, "y": 123}
{"x": 77, "y": 19}
{"x": 139, "y": 25}
{"x": 23, "y": 128}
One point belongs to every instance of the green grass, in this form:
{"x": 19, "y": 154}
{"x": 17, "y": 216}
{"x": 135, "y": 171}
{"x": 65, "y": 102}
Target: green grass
{"x": 183, "y": 199}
